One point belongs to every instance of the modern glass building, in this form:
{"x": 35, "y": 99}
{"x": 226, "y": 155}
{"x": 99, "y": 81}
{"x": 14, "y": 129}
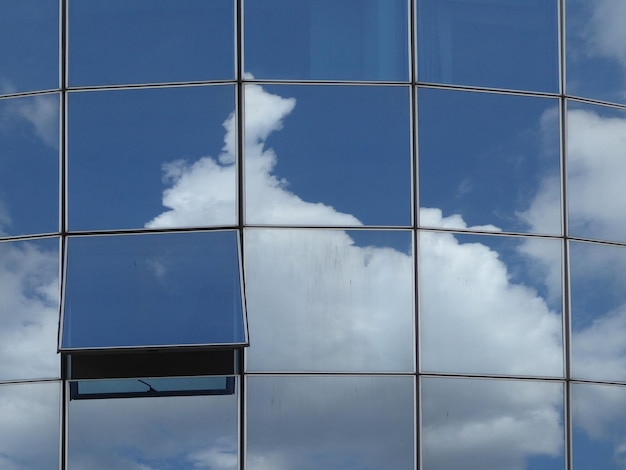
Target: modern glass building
{"x": 312, "y": 234}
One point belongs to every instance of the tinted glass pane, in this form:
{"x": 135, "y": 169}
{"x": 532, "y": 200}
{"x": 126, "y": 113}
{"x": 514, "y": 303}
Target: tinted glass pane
{"x": 150, "y": 433}
{"x": 147, "y": 41}
{"x": 152, "y": 157}
{"x": 29, "y": 165}
{"x": 493, "y": 43}
{"x": 598, "y": 303}
{"x": 351, "y": 423}
{"x": 342, "y": 158}
{"x": 599, "y": 426}
{"x": 596, "y": 57}
{"x": 490, "y": 305}
{"x": 492, "y": 425}
{"x": 30, "y": 53}
{"x": 30, "y": 426}
{"x": 492, "y": 159}
{"x": 327, "y": 39}
{"x": 147, "y": 290}
{"x": 29, "y": 310}
{"x": 596, "y": 171}
{"x": 338, "y": 301}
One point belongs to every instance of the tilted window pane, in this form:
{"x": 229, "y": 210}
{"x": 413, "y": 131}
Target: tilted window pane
{"x": 595, "y": 47}
{"x": 155, "y": 432}
{"x": 598, "y": 425}
{"x": 490, "y": 305}
{"x": 152, "y": 158}
{"x": 29, "y": 34}
{"x": 491, "y": 159}
{"x": 327, "y": 155}
{"x": 29, "y": 165}
{"x": 153, "y": 290}
{"x": 149, "y": 41}
{"x": 598, "y": 304}
{"x": 335, "y": 422}
{"x": 491, "y": 425}
{"x": 327, "y": 39}
{"x": 30, "y": 426}
{"x": 511, "y": 44}
{"x": 596, "y": 171}
{"x": 338, "y": 301}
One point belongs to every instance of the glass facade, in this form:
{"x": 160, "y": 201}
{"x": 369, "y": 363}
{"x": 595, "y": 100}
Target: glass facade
{"x": 277, "y": 234}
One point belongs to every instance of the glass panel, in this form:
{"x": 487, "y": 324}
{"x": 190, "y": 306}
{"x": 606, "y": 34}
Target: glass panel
{"x": 598, "y": 304}
{"x": 29, "y": 310}
{"x": 330, "y": 300}
{"x": 131, "y": 152}
{"x": 493, "y": 159}
{"x": 150, "y": 433}
{"x": 490, "y": 305}
{"x": 596, "y": 171}
{"x": 29, "y": 32}
{"x": 30, "y": 426}
{"x": 343, "y": 157}
{"x": 596, "y": 57}
{"x": 350, "y": 423}
{"x": 150, "y": 290}
{"x": 326, "y": 39}
{"x": 29, "y": 163}
{"x": 492, "y": 425}
{"x": 599, "y": 426}
{"x": 509, "y": 44}
{"x": 148, "y": 41}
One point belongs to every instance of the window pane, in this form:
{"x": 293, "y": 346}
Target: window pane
{"x": 131, "y": 152}
{"x": 596, "y": 62}
{"x": 596, "y": 171}
{"x": 30, "y": 426}
{"x": 490, "y": 305}
{"x": 152, "y": 290}
{"x": 338, "y": 301}
{"x": 492, "y": 424}
{"x": 342, "y": 158}
{"x": 155, "y": 432}
{"x": 510, "y": 44}
{"x": 29, "y": 310}
{"x": 598, "y": 304}
{"x": 30, "y": 53}
{"x": 310, "y": 423}
{"x": 148, "y": 41}
{"x": 327, "y": 39}
{"x": 492, "y": 159}
{"x": 29, "y": 165}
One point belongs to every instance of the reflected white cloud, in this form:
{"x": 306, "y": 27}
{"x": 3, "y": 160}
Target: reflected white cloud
{"x": 606, "y": 34}
{"x": 41, "y": 112}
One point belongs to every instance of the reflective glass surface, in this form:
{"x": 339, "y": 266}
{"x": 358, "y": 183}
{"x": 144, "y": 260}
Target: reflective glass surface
{"x": 151, "y": 290}
{"x": 493, "y": 159}
{"x": 338, "y": 301}
{"x": 160, "y": 157}
{"x": 596, "y": 49}
{"x": 327, "y": 155}
{"x": 490, "y": 305}
{"x": 596, "y": 171}
{"x": 29, "y": 310}
{"x": 326, "y": 39}
{"x": 156, "y": 432}
{"x": 149, "y": 41}
{"x": 598, "y": 304}
{"x": 509, "y": 44}
{"x": 30, "y": 426}
{"x": 29, "y": 165}
{"x": 599, "y": 426}
{"x": 352, "y": 423}
{"x": 492, "y": 425}
{"x": 29, "y": 34}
